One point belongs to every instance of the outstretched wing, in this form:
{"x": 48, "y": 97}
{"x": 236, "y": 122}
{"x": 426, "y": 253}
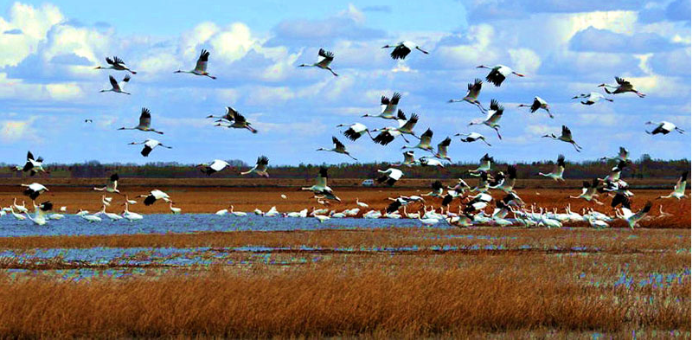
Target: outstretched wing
{"x": 202, "y": 61}
{"x": 426, "y": 137}
{"x": 475, "y": 88}
{"x": 337, "y": 143}
{"x": 411, "y": 123}
{"x": 114, "y": 83}
{"x": 145, "y": 117}
{"x": 566, "y": 132}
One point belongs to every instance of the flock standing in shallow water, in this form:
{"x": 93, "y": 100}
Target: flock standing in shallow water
{"x": 471, "y": 207}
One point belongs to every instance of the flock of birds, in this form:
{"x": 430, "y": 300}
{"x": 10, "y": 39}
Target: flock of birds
{"x": 472, "y": 201}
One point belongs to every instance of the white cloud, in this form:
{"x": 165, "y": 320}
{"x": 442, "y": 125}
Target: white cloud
{"x": 15, "y": 130}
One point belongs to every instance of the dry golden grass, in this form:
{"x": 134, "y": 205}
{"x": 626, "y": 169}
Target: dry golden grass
{"x": 382, "y": 296}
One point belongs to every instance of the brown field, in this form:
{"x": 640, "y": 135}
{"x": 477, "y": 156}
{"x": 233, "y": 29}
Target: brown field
{"x": 429, "y": 282}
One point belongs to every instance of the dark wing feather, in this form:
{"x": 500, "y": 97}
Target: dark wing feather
{"x": 337, "y": 143}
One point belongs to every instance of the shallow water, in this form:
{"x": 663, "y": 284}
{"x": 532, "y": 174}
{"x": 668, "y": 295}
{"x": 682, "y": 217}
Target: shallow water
{"x": 189, "y": 223}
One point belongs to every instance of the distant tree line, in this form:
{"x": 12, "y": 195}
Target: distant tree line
{"x": 644, "y": 167}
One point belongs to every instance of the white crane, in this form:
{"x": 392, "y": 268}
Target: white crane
{"x": 260, "y": 167}
{"x": 622, "y": 87}
{"x": 149, "y": 145}
{"x": 228, "y": 115}
{"x": 538, "y": 103}
{"x": 154, "y": 196}
{"x": 409, "y": 159}
{"x": 130, "y": 216}
{"x": 499, "y": 73}
{"x": 320, "y": 188}
{"x": 424, "y": 143}
{"x": 144, "y": 122}
{"x": 388, "y": 107}
{"x": 631, "y": 218}
{"x": 558, "y": 170}
{"x": 492, "y": 118}
{"x": 589, "y": 191}
{"x": 361, "y": 204}
{"x": 32, "y": 165}
{"x": 238, "y": 122}
{"x": 386, "y": 135}
{"x": 472, "y": 95}
{"x": 111, "y": 216}
{"x": 354, "y": 131}
{"x": 33, "y": 190}
{"x": 566, "y": 137}
{"x": 20, "y": 208}
{"x": 623, "y": 155}
{"x": 91, "y": 218}
{"x": 213, "y": 167}
{"x": 472, "y": 137}
{"x": 115, "y": 64}
{"x": 442, "y": 149}
{"x": 18, "y": 216}
{"x": 201, "y": 66}
{"x": 118, "y": 87}
{"x": 485, "y": 165}
{"x": 424, "y": 161}
{"x": 402, "y": 49}
{"x": 325, "y": 59}
{"x": 591, "y": 98}
{"x": 40, "y": 213}
{"x": 390, "y": 176}
{"x": 679, "y": 189}
{"x": 663, "y": 127}
{"x": 338, "y": 148}
{"x": 111, "y": 186}
{"x": 174, "y": 210}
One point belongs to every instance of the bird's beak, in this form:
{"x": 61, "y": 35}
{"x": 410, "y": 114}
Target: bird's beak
{"x": 575, "y": 97}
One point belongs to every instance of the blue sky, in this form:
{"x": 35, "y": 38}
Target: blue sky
{"x": 48, "y": 85}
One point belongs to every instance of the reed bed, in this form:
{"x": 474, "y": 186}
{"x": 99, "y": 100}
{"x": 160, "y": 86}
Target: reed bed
{"x": 380, "y": 296}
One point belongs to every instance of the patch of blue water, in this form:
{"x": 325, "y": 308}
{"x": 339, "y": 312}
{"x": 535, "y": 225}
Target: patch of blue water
{"x": 189, "y": 223}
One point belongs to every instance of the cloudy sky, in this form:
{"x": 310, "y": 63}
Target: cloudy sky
{"x": 48, "y": 84}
